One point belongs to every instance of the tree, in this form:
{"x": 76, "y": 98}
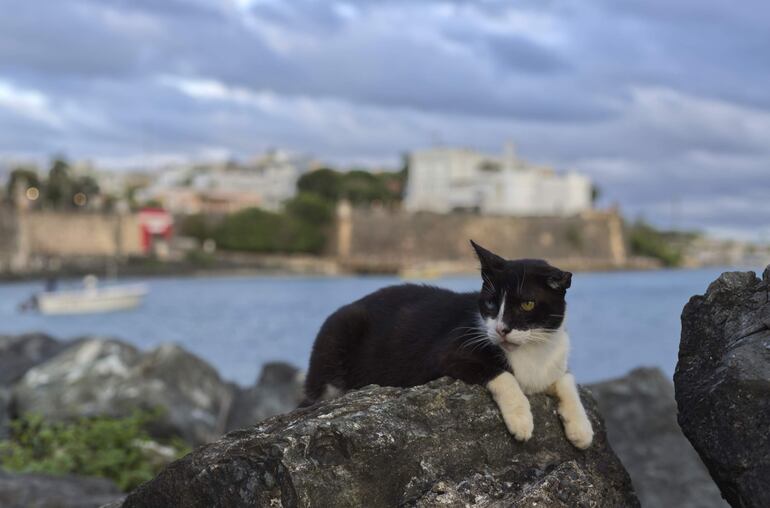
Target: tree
{"x": 596, "y": 193}
{"x": 62, "y": 187}
{"x": 59, "y": 189}
{"x": 324, "y": 182}
{"x": 85, "y": 185}
{"x": 362, "y": 187}
{"x": 311, "y": 209}
{"x": 645, "y": 240}
{"x": 26, "y": 177}
{"x": 359, "y": 186}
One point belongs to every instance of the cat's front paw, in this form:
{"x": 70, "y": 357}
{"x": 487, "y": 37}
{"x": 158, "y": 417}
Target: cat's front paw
{"x": 520, "y": 423}
{"x": 579, "y": 432}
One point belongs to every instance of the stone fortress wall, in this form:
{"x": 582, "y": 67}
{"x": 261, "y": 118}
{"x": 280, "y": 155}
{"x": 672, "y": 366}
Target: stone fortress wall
{"x": 392, "y": 240}
{"x": 30, "y": 241}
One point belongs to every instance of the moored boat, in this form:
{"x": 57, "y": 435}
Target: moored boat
{"x": 91, "y": 298}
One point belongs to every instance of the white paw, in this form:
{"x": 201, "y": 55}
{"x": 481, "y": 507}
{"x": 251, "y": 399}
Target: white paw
{"x": 520, "y": 423}
{"x": 579, "y": 432}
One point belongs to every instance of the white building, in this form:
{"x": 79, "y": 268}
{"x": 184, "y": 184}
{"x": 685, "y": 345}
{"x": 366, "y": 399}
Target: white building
{"x": 265, "y": 183}
{"x": 445, "y": 179}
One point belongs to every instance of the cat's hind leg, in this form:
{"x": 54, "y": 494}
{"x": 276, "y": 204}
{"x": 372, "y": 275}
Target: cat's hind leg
{"x": 326, "y": 375}
{"x": 577, "y": 426}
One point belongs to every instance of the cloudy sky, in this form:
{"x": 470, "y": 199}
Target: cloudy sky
{"x": 665, "y": 104}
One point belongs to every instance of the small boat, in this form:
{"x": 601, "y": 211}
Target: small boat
{"x": 91, "y": 298}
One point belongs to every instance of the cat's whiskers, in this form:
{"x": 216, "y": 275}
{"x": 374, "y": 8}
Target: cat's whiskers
{"x": 476, "y": 343}
{"x": 474, "y": 338}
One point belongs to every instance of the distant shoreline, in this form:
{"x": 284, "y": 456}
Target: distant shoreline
{"x": 272, "y": 266}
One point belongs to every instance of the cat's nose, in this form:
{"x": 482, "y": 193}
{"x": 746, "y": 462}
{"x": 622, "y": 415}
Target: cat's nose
{"x": 503, "y": 330}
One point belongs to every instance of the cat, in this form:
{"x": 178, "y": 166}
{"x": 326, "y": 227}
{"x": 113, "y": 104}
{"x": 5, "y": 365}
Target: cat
{"x": 509, "y": 337}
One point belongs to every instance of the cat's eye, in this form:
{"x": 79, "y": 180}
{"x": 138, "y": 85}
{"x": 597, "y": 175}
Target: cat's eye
{"x": 528, "y": 305}
{"x": 490, "y": 304}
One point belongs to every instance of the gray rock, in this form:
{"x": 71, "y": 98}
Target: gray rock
{"x": 278, "y": 390}
{"x": 48, "y": 491}
{"x": 722, "y": 383}
{"x": 109, "y": 377}
{"x": 639, "y": 412}
{"x": 440, "y": 443}
{"x": 19, "y": 353}
{"x": 5, "y": 402}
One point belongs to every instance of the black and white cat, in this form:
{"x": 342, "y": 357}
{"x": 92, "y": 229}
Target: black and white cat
{"x": 508, "y": 337}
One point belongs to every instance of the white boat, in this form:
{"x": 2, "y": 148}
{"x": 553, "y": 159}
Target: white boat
{"x": 91, "y": 299}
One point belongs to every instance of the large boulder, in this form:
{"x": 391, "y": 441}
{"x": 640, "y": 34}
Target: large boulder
{"x": 48, "y": 491}
{"x": 278, "y": 390}
{"x": 19, "y": 353}
{"x": 5, "y": 401}
{"x": 441, "y": 443}
{"x": 722, "y": 383}
{"x": 639, "y": 412}
{"x": 109, "y": 377}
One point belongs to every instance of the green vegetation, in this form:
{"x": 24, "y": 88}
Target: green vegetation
{"x": 667, "y": 246}
{"x": 23, "y": 177}
{"x": 306, "y": 221}
{"x": 116, "y": 448}
{"x": 61, "y": 190}
{"x": 301, "y": 228}
{"x": 358, "y": 186}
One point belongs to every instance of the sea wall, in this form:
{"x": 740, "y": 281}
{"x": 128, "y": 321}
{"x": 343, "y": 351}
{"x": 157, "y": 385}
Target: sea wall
{"x": 8, "y": 241}
{"x": 33, "y": 241}
{"x": 368, "y": 240}
{"x": 82, "y": 234}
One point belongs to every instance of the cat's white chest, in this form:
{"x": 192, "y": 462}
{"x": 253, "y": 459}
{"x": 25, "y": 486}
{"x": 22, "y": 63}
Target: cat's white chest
{"x": 537, "y": 366}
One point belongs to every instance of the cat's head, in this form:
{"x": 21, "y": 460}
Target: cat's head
{"x": 522, "y": 301}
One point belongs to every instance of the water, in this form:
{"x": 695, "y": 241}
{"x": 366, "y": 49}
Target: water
{"x": 617, "y": 321}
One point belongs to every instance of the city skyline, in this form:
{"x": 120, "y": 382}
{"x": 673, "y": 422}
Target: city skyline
{"x": 663, "y": 106}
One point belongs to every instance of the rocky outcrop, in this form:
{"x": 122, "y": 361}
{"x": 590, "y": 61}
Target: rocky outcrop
{"x": 103, "y": 376}
{"x": 278, "y": 390}
{"x": 639, "y": 413}
{"x": 722, "y": 384}
{"x": 47, "y": 491}
{"x": 19, "y": 353}
{"x": 108, "y": 377}
{"x": 5, "y": 401}
{"x": 440, "y": 443}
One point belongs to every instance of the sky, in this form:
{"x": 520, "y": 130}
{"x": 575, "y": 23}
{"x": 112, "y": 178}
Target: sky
{"x": 665, "y": 105}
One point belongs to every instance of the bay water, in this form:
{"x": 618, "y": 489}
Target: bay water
{"x": 617, "y": 320}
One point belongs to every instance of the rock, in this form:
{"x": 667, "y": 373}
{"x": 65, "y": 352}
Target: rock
{"x": 109, "y": 377}
{"x": 5, "y": 402}
{"x": 722, "y": 383}
{"x": 440, "y": 443}
{"x": 19, "y": 353}
{"x": 278, "y": 390}
{"x": 48, "y": 491}
{"x": 639, "y": 412}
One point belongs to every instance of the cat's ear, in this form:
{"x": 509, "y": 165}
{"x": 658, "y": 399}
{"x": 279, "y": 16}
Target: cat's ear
{"x": 559, "y": 280}
{"x": 489, "y": 260}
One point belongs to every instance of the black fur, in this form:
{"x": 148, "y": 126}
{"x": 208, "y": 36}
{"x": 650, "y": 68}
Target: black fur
{"x": 410, "y": 334}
